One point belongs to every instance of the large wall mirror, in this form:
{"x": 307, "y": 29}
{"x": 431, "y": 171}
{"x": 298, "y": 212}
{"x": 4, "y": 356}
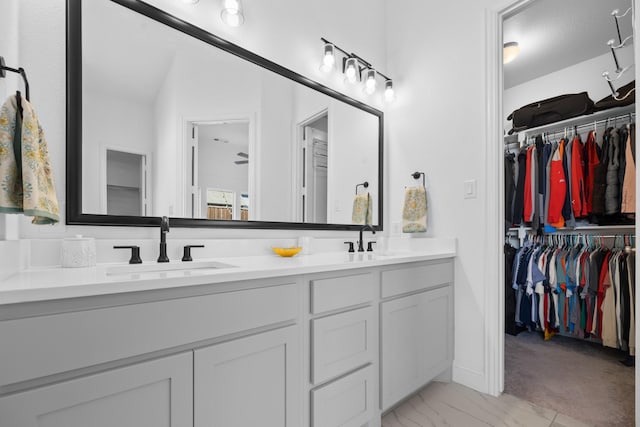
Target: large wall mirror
{"x": 166, "y": 119}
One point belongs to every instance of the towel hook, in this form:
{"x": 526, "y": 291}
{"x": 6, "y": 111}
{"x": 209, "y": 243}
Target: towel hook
{"x": 416, "y": 175}
{"x": 364, "y": 184}
{"x": 20, "y": 70}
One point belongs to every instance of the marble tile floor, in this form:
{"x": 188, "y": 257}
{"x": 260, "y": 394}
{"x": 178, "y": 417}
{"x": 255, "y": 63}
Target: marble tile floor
{"x": 451, "y": 404}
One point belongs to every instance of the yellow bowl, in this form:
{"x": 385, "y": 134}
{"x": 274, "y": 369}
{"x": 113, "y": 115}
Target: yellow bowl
{"x": 287, "y": 252}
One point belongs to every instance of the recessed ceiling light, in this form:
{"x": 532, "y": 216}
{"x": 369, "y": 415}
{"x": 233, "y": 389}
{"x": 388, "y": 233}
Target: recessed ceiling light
{"x": 510, "y": 51}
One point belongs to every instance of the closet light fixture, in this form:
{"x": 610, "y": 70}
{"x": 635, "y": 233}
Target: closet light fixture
{"x": 329, "y": 58}
{"x": 232, "y": 13}
{"x": 510, "y": 51}
{"x": 353, "y": 68}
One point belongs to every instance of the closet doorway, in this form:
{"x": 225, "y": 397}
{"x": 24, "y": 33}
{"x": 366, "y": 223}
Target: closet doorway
{"x": 556, "y": 353}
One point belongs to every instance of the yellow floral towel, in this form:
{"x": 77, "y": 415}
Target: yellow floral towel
{"x": 26, "y": 181}
{"x": 414, "y": 213}
{"x": 362, "y": 209}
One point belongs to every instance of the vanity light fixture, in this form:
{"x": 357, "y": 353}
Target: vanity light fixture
{"x": 370, "y": 81}
{"x": 510, "y": 52}
{"x": 389, "y": 94}
{"x": 353, "y": 67}
{"x": 232, "y": 13}
{"x": 329, "y": 58}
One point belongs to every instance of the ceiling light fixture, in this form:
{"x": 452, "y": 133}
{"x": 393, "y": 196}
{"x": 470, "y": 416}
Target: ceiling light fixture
{"x": 353, "y": 67}
{"x": 510, "y": 52}
{"x": 190, "y": 1}
{"x": 232, "y": 13}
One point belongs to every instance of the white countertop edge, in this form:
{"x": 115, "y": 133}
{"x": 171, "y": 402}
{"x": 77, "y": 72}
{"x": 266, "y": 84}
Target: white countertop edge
{"x": 47, "y": 284}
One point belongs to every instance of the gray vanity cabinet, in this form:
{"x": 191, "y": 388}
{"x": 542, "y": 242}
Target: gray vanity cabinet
{"x": 250, "y": 381}
{"x": 326, "y": 349}
{"x": 417, "y": 328}
{"x": 154, "y": 393}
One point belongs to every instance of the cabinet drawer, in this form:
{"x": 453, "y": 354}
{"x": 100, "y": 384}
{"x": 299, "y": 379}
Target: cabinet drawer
{"x": 410, "y": 279}
{"x": 338, "y": 292}
{"x": 342, "y": 342}
{"x": 347, "y": 402}
{"x": 63, "y": 342}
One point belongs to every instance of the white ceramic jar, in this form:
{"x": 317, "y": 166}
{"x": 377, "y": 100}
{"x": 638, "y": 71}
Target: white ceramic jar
{"x": 78, "y": 251}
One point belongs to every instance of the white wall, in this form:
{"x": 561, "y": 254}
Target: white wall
{"x": 275, "y": 151}
{"x": 437, "y": 54}
{"x": 128, "y": 130}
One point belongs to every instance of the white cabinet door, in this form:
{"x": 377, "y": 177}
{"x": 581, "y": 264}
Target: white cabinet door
{"x": 157, "y": 393}
{"x": 417, "y": 342}
{"x": 251, "y": 381}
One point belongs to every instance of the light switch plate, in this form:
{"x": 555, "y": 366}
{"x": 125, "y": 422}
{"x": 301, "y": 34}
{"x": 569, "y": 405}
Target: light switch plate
{"x": 470, "y": 189}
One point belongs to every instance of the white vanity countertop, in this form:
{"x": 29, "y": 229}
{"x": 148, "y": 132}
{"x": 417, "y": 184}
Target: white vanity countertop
{"x": 43, "y": 284}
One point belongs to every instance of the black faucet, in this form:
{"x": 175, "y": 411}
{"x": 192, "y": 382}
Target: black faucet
{"x": 360, "y": 241}
{"x": 164, "y": 229}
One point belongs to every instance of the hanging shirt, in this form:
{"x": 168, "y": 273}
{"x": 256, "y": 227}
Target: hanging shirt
{"x": 578, "y": 199}
{"x": 592, "y": 162}
{"x": 558, "y": 188}
{"x": 629, "y": 183}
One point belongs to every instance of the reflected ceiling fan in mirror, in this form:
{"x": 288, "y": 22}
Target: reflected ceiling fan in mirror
{"x": 245, "y": 158}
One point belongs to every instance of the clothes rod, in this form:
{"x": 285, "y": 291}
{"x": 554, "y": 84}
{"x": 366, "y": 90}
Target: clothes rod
{"x": 601, "y": 116}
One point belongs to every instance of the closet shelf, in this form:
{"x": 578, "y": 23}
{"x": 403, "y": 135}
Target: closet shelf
{"x": 578, "y": 121}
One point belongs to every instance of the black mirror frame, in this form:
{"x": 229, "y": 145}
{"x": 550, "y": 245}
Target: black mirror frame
{"x": 74, "y": 215}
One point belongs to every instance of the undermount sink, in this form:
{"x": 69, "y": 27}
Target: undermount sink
{"x": 184, "y": 268}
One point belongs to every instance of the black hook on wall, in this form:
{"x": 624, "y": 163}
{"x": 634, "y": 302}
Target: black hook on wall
{"x": 364, "y": 184}
{"x": 20, "y": 70}
{"x": 416, "y": 175}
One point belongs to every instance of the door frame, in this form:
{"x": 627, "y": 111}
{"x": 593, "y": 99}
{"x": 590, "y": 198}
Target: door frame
{"x": 494, "y": 275}
{"x": 146, "y": 172}
{"x": 184, "y": 161}
{"x": 297, "y": 169}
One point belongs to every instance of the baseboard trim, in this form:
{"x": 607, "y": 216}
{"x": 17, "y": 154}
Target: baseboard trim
{"x": 470, "y": 378}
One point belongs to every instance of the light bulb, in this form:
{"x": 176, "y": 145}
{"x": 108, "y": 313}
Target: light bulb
{"x": 329, "y": 59}
{"x": 351, "y": 71}
{"x": 389, "y": 94}
{"x": 232, "y": 13}
{"x": 370, "y": 82}
{"x": 510, "y": 51}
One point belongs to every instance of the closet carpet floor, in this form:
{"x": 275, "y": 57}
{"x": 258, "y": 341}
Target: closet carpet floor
{"x": 580, "y": 379}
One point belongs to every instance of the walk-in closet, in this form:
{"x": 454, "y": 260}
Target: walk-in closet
{"x": 570, "y": 207}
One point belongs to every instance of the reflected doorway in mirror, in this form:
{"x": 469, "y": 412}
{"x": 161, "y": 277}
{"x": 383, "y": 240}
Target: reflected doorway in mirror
{"x": 218, "y": 170}
{"x": 125, "y": 176}
{"x": 313, "y": 156}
